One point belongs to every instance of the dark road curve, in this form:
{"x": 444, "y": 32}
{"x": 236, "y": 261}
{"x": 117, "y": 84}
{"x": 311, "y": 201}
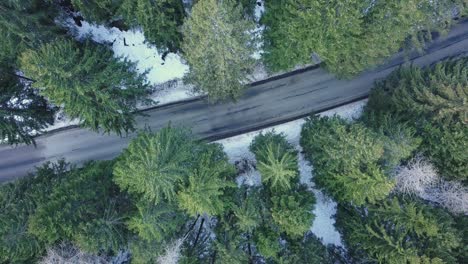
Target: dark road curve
{"x": 266, "y": 103}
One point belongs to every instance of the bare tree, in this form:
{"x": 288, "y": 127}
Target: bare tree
{"x": 451, "y": 195}
{"x": 66, "y": 253}
{"x": 416, "y": 177}
{"x": 172, "y": 254}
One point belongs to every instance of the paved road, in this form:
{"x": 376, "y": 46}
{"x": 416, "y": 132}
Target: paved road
{"x": 266, "y": 103}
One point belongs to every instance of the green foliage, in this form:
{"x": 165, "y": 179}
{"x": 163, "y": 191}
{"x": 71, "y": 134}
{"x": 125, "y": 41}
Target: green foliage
{"x": 346, "y": 159}
{"x": 206, "y": 183}
{"x": 400, "y": 231}
{"x": 28, "y": 23}
{"x": 310, "y": 251}
{"x": 293, "y": 212}
{"x": 348, "y": 36}
{"x": 160, "y": 21}
{"x": 218, "y": 47}
{"x": 433, "y": 101}
{"x": 156, "y": 222}
{"x": 154, "y": 164}
{"x": 22, "y": 110}
{"x": 446, "y": 146}
{"x": 276, "y": 160}
{"x": 268, "y": 243}
{"x": 97, "y": 11}
{"x": 85, "y": 208}
{"x": 18, "y": 201}
{"x": 92, "y": 85}
{"x": 399, "y": 138}
{"x": 144, "y": 252}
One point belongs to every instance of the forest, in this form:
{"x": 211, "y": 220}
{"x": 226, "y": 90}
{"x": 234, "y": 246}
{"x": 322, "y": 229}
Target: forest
{"x": 398, "y": 173}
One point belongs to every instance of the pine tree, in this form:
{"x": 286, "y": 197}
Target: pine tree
{"x": 154, "y": 165}
{"x": 293, "y": 212}
{"x": 156, "y": 222}
{"x": 22, "y": 110}
{"x": 28, "y": 23}
{"x": 348, "y": 36}
{"x": 346, "y": 160}
{"x": 218, "y": 47}
{"x": 85, "y": 208}
{"x": 433, "y": 101}
{"x": 97, "y": 11}
{"x": 399, "y": 231}
{"x": 92, "y": 85}
{"x": 399, "y": 138}
{"x": 276, "y": 160}
{"x": 206, "y": 184}
{"x": 18, "y": 201}
{"x": 161, "y": 21}
{"x": 438, "y": 93}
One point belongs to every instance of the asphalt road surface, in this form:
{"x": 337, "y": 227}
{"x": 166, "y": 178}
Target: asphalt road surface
{"x": 266, "y": 103}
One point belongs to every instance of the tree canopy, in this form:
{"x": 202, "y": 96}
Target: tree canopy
{"x": 400, "y": 231}
{"x": 433, "y": 102}
{"x": 218, "y": 48}
{"x": 88, "y": 81}
{"x": 348, "y": 36}
{"x": 346, "y": 160}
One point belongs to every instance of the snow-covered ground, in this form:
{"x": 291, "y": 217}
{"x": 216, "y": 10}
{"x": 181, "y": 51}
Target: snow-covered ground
{"x": 131, "y": 44}
{"x": 237, "y": 148}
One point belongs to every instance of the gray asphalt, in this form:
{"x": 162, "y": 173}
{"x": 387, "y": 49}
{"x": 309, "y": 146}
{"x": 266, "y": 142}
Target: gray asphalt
{"x": 266, "y": 103}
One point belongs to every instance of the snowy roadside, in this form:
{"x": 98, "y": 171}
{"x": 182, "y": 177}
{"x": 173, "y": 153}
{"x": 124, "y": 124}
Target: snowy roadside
{"x": 164, "y": 77}
{"x": 237, "y": 148}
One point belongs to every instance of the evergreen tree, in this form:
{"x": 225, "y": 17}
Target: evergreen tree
{"x": 154, "y": 165}
{"x": 399, "y": 138}
{"x": 18, "y": 201}
{"x": 446, "y": 146}
{"x": 28, "y": 23}
{"x": 86, "y": 208}
{"x": 293, "y": 212}
{"x": 309, "y": 250}
{"x": 156, "y": 222}
{"x": 218, "y": 47}
{"x": 22, "y": 110}
{"x": 92, "y": 85}
{"x": 346, "y": 160}
{"x": 437, "y": 93}
{"x": 399, "y": 231}
{"x": 276, "y": 160}
{"x": 206, "y": 183}
{"x": 97, "y": 11}
{"x": 161, "y": 21}
{"x": 433, "y": 101}
{"x": 348, "y": 36}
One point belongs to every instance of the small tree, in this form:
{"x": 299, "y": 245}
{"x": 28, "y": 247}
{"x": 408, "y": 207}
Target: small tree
{"x": 92, "y": 85}
{"x": 156, "y": 223}
{"x": 346, "y": 160}
{"x": 218, "y": 48}
{"x": 276, "y": 160}
{"x": 206, "y": 183}
{"x": 154, "y": 165}
{"x": 293, "y": 212}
